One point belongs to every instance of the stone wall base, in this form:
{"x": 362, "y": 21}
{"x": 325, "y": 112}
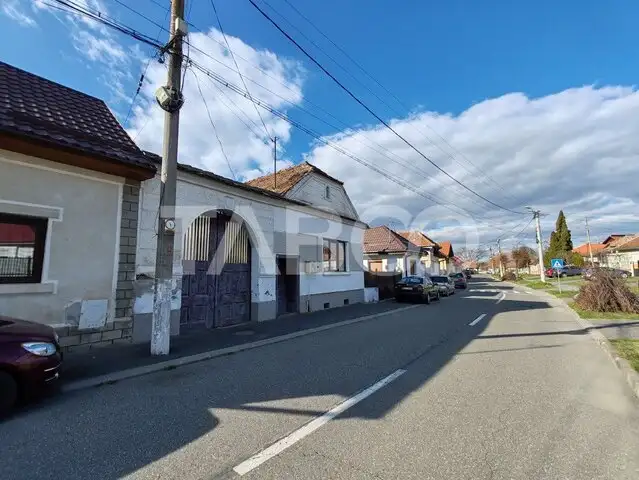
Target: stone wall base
{"x": 118, "y": 332}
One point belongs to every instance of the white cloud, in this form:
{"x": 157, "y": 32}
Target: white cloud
{"x": 577, "y": 150}
{"x": 11, "y": 9}
{"x": 248, "y": 149}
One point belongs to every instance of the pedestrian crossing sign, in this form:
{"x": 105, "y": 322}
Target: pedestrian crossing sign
{"x": 557, "y": 263}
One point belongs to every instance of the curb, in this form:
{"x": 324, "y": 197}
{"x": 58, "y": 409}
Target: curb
{"x": 199, "y": 357}
{"x": 630, "y": 375}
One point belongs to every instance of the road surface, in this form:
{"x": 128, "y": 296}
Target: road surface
{"x": 491, "y": 383}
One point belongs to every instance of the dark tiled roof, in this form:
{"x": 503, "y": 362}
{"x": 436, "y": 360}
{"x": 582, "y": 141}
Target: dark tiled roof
{"x": 157, "y": 160}
{"x": 287, "y": 178}
{"x": 36, "y": 108}
{"x": 383, "y": 239}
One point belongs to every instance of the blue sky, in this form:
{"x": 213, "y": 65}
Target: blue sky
{"x": 512, "y": 60}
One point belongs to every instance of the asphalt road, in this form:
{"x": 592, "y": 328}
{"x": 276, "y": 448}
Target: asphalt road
{"x": 521, "y": 392}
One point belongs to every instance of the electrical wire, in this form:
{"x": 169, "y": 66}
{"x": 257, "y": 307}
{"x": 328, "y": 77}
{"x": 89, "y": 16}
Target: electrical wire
{"x": 398, "y": 100}
{"x": 369, "y": 110}
{"x": 208, "y": 112}
{"x": 239, "y": 72}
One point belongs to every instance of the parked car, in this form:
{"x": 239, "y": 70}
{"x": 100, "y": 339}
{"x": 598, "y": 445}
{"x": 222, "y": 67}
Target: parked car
{"x": 460, "y": 280}
{"x": 445, "y": 284}
{"x": 416, "y": 287}
{"x": 30, "y": 359}
{"x": 469, "y": 273}
{"x": 567, "y": 271}
{"x": 615, "y": 272}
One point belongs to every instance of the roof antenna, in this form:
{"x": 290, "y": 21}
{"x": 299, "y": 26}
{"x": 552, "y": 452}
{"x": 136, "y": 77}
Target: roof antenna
{"x": 275, "y": 162}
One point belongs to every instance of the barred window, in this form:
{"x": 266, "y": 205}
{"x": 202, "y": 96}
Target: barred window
{"x": 22, "y": 242}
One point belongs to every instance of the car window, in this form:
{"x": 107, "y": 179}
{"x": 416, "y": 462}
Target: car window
{"x": 440, "y": 279}
{"x": 413, "y": 280}
{"x": 457, "y": 275}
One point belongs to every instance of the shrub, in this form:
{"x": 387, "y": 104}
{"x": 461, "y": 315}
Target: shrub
{"x": 604, "y": 293}
{"x": 509, "y": 276}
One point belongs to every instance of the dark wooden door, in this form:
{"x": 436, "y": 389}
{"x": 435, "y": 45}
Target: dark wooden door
{"x": 216, "y": 283}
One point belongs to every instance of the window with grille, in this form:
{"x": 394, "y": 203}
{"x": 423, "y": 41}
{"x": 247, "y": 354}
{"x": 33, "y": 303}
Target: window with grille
{"x": 22, "y": 242}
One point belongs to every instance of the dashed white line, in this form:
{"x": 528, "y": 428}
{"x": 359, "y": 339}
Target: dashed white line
{"x": 288, "y": 441}
{"x": 477, "y": 320}
{"x": 503, "y": 295}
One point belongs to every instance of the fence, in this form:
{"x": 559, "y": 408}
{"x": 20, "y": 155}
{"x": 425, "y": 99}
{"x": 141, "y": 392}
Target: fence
{"x": 15, "y": 266}
{"x": 384, "y": 281}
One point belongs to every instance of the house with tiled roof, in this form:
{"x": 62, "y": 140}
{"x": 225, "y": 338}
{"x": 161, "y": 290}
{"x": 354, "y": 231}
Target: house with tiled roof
{"x": 428, "y": 255}
{"x": 385, "y": 250}
{"x": 251, "y": 251}
{"x": 585, "y": 250}
{"x": 448, "y": 262}
{"x": 69, "y": 196}
{"x": 622, "y": 251}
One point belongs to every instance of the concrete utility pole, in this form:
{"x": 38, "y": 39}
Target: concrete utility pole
{"x": 275, "y": 161}
{"x": 540, "y": 247}
{"x": 592, "y": 263}
{"x": 170, "y": 100}
{"x": 492, "y": 261}
{"x": 501, "y": 263}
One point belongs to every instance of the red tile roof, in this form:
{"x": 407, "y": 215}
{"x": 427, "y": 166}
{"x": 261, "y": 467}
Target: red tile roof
{"x": 383, "y": 239}
{"x": 287, "y": 178}
{"x": 39, "y": 109}
{"x": 446, "y": 248}
{"x": 584, "y": 251}
{"x": 418, "y": 238}
{"x": 630, "y": 242}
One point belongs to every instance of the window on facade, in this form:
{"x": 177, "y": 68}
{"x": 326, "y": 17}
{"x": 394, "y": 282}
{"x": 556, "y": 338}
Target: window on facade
{"x": 328, "y": 191}
{"x": 21, "y": 248}
{"x": 334, "y": 256}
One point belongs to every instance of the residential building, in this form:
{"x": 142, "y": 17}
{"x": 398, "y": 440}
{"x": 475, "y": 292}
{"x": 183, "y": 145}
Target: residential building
{"x": 279, "y": 244}
{"x": 387, "y": 251}
{"x": 448, "y": 263}
{"x": 69, "y": 193}
{"x": 427, "y": 250}
{"x": 622, "y": 251}
{"x": 586, "y": 249}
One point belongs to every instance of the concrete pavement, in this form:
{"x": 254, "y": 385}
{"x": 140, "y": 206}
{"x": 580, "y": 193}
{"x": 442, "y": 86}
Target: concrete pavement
{"x": 523, "y": 392}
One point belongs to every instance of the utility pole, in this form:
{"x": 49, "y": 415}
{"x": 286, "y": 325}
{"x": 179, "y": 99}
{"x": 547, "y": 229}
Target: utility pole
{"x": 492, "y": 261}
{"x": 170, "y": 100}
{"x": 592, "y": 263}
{"x": 501, "y": 264}
{"x": 275, "y": 161}
{"x": 540, "y": 247}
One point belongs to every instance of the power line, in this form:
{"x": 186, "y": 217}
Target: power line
{"x": 219, "y": 141}
{"x": 399, "y": 101}
{"x": 369, "y": 110}
{"x": 239, "y": 72}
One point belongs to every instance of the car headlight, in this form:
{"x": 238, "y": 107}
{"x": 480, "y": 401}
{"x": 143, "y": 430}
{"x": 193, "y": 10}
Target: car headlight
{"x": 41, "y": 349}
{"x": 56, "y": 337}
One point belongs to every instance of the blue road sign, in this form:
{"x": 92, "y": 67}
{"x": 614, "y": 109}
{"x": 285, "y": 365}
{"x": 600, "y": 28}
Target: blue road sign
{"x": 557, "y": 263}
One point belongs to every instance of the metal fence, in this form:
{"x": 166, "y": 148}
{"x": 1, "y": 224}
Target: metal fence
{"x": 16, "y": 266}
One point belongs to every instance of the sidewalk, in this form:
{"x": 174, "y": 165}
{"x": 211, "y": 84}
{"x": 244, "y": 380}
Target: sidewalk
{"x": 96, "y": 363}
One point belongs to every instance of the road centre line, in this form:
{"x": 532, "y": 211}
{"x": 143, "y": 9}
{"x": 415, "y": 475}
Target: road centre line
{"x": 477, "y": 320}
{"x": 288, "y": 441}
{"x": 503, "y": 295}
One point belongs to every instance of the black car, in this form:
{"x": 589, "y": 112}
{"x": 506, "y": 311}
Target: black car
{"x": 469, "y": 273}
{"x": 416, "y": 287}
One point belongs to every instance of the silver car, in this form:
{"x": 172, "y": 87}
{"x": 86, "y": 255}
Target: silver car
{"x": 445, "y": 284}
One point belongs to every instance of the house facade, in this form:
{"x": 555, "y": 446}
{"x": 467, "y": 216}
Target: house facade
{"x": 622, "y": 251}
{"x": 448, "y": 263}
{"x": 585, "y": 250}
{"x": 428, "y": 250}
{"x": 251, "y": 251}
{"x": 387, "y": 251}
{"x": 69, "y": 196}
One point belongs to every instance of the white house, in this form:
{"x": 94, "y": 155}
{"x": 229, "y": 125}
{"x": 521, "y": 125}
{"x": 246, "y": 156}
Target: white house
{"x": 280, "y": 244}
{"x": 621, "y": 251}
{"x": 387, "y": 251}
{"x": 69, "y": 182}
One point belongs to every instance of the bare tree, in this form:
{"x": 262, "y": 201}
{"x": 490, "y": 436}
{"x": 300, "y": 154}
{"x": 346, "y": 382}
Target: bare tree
{"x": 470, "y": 256}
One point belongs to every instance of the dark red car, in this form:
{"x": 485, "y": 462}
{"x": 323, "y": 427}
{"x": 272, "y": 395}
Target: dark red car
{"x": 30, "y": 359}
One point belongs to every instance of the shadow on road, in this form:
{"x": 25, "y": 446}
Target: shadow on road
{"x": 116, "y": 430}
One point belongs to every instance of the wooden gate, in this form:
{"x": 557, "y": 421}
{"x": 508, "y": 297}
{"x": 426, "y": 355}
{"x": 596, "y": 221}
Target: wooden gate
{"x": 216, "y": 283}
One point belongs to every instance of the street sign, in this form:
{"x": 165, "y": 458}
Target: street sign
{"x": 557, "y": 263}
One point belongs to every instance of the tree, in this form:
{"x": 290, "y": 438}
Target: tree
{"x": 560, "y": 241}
{"x": 470, "y": 256}
{"x": 523, "y": 256}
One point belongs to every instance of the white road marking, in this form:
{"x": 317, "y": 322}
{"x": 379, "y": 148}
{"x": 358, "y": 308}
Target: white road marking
{"x": 503, "y": 295}
{"x": 477, "y": 320}
{"x": 278, "y": 447}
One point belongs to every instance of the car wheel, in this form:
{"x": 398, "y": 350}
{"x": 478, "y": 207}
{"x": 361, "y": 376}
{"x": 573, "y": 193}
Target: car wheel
{"x": 437, "y": 297}
{"x": 427, "y": 299}
{"x": 624, "y": 275}
{"x": 8, "y": 392}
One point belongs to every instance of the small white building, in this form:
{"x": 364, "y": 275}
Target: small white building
{"x": 280, "y": 244}
{"x": 387, "y": 251}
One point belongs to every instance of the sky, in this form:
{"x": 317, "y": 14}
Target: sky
{"x": 522, "y": 104}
